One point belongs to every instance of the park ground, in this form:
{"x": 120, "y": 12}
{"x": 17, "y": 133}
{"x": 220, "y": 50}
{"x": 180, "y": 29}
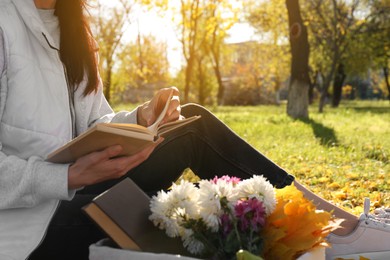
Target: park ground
{"x": 343, "y": 154}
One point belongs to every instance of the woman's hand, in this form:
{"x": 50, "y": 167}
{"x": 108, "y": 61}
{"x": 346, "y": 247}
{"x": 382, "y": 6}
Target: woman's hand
{"x": 148, "y": 112}
{"x": 100, "y": 166}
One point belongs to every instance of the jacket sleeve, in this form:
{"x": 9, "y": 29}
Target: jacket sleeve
{"x": 103, "y": 113}
{"x": 26, "y": 183}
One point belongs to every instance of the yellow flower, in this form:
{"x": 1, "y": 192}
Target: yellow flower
{"x": 295, "y": 226}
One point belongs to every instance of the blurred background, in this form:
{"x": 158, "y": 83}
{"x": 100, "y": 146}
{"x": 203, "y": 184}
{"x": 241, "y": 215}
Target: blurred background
{"x": 306, "y": 82}
{"x": 239, "y": 52}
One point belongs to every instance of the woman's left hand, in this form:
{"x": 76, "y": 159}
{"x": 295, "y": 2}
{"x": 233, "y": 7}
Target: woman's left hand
{"x": 149, "y": 111}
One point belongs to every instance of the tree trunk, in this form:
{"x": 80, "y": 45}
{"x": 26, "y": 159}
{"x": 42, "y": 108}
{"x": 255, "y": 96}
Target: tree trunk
{"x": 140, "y": 76}
{"x": 338, "y": 85}
{"x": 298, "y": 92}
{"x": 386, "y": 75}
{"x": 221, "y": 87}
{"x": 202, "y": 83}
{"x": 277, "y": 89}
{"x": 189, "y": 41}
{"x": 313, "y": 83}
{"x": 324, "y": 94}
{"x": 325, "y": 86}
{"x": 107, "y": 83}
{"x": 188, "y": 74}
{"x": 298, "y": 101}
{"x": 311, "y": 92}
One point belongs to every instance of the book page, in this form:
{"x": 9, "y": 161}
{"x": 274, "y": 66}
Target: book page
{"x": 129, "y": 127}
{"x": 153, "y": 128}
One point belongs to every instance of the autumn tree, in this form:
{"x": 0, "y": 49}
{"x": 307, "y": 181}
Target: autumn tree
{"x": 270, "y": 20}
{"x": 201, "y": 28}
{"x": 220, "y": 17}
{"x": 298, "y": 101}
{"x": 191, "y": 12}
{"x": 335, "y": 28}
{"x": 328, "y": 26}
{"x": 143, "y": 61}
{"x": 378, "y": 33}
{"x": 186, "y": 15}
{"x": 204, "y": 81}
{"x": 109, "y": 25}
{"x": 257, "y": 68}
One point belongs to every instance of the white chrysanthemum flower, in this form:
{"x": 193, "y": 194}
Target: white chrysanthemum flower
{"x": 186, "y": 196}
{"x": 258, "y": 187}
{"x": 226, "y": 189}
{"x": 169, "y": 210}
{"x": 210, "y": 195}
{"x": 193, "y": 245}
{"x": 164, "y": 215}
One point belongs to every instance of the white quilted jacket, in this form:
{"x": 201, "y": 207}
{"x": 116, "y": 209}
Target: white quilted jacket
{"x": 35, "y": 119}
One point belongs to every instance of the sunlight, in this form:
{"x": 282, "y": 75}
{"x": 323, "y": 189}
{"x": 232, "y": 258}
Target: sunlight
{"x": 149, "y": 22}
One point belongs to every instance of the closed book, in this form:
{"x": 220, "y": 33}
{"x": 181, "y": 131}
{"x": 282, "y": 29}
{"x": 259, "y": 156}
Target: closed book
{"x": 122, "y": 212}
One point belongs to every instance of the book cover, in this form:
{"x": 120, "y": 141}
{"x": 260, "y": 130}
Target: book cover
{"x": 133, "y": 138}
{"x": 123, "y": 214}
{"x": 98, "y": 138}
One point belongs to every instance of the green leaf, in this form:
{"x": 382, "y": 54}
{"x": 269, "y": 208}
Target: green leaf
{"x": 245, "y": 255}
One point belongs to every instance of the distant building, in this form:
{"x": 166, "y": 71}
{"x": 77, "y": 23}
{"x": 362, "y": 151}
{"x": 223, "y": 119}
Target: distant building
{"x": 246, "y": 81}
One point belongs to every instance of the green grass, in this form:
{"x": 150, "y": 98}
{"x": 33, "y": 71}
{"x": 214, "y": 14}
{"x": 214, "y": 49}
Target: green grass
{"x": 343, "y": 154}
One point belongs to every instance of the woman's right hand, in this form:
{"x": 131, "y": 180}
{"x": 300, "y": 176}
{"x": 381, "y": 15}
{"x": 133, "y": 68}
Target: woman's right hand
{"x": 149, "y": 111}
{"x": 101, "y": 166}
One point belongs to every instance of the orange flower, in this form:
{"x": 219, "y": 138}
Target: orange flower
{"x": 295, "y": 226}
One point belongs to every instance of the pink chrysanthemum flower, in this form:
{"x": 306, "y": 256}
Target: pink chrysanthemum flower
{"x": 250, "y": 214}
{"x": 226, "y": 178}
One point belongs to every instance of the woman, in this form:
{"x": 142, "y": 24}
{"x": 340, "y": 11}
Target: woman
{"x": 50, "y": 92}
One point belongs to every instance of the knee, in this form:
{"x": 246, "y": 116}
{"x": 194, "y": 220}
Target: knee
{"x": 192, "y": 109}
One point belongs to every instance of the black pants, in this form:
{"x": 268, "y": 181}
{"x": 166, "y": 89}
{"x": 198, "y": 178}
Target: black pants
{"x": 207, "y": 146}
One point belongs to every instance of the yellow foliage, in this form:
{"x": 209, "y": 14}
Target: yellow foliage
{"x": 360, "y": 258}
{"x": 358, "y": 209}
{"x": 340, "y": 195}
{"x": 295, "y": 226}
{"x": 334, "y": 186}
{"x": 323, "y": 180}
{"x": 352, "y": 176}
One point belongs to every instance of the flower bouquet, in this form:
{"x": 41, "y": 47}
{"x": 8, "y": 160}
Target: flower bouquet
{"x": 229, "y": 218}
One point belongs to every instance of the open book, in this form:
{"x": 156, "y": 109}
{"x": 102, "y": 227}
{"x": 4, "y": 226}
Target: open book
{"x": 132, "y": 137}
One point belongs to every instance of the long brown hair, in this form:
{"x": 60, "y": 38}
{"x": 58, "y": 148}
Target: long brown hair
{"x": 77, "y": 46}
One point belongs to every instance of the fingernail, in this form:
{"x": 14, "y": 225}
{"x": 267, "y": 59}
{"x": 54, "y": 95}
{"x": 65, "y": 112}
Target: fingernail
{"x": 117, "y": 148}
